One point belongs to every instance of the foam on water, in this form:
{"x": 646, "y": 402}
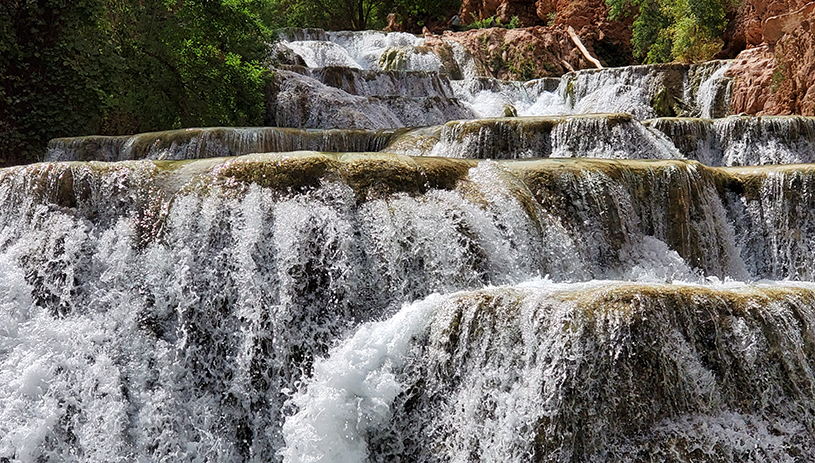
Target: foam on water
{"x": 504, "y": 373}
{"x": 371, "y": 307}
{"x": 318, "y": 54}
{"x": 351, "y": 393}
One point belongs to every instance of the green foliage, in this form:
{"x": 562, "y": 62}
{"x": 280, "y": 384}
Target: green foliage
{"x": 77, "y": 67}
{"x": 190, "y": 63}
{"x": 420, "y": 12}
{"x": 673, "y": 30}
{"x": 492, "y": 21}
{"x": 780, "y": 71}
{"x": 650, "y": 32}
{"x": 54, "y": 67}
{"x": 360, "y": 14}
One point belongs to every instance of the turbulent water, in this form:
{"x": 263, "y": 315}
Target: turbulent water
{"x": 561, "y": 287}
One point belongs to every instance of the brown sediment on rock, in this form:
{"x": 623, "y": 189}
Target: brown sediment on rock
{"x": 633, "y": 298}
{"x": 748, "y": 181}
{"x": 370, "y": 175}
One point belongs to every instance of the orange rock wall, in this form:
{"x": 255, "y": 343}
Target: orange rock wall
{"x": 543, "y": 42}
{"x": 778, "y": 75}
{"x": 772, "y": 41}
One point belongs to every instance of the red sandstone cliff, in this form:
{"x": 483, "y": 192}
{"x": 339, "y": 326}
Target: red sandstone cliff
{"x": 772, "y": 40}
{"x": 542, "y": 47}
{"x": 776, "y": 73}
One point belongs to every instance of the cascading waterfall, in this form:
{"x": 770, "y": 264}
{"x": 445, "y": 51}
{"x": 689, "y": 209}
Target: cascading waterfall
{"x": 643, "y": 91}
{"x": 361, "y": 50}
{"x": 215, "y": 142}
{"x": 556, "y": 287}
{"x": 742, "y": 141}
{"x": 578, "y": 372}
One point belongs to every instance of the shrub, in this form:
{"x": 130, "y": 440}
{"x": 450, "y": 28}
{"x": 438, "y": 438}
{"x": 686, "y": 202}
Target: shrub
{"x": 492, "y": 21}
{"x": 673, "y": 30}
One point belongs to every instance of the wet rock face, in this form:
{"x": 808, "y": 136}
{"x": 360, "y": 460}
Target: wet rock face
{"x": 794, "y": 75}
{"x": 775, "y": 73}
{"x": 753, "y": 71}
{"x": 750, "y": 19}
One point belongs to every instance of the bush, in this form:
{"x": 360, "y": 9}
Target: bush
{"x": 55, "y": 67}
{"x": 492, "y": 21}
{"x": 361, "y": 14}
{"x": 673, "y": 30}
{"x": 191, "y": 63}
{"x": 81, "y": 67}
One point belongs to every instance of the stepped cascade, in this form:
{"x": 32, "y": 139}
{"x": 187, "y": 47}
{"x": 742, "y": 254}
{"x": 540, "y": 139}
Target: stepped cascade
{"x": 418, "y": 262}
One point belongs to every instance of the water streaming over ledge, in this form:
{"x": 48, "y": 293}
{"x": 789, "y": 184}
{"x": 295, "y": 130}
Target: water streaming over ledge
{"x": 474, "y": 289}
{"x": 731, "y": 141}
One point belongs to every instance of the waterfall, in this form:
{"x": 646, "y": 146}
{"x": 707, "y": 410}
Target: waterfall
{"x": 417, "y": 262}
{"x": 561, "y": 372}
{"x": 215, "y": 142}
{"x": 643, "y": 91}
{"x": 742, "y": 141}
{"x": 361, "y": 50}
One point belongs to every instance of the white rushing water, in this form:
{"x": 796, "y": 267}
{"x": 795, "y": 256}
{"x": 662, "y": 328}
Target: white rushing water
{"x": 631, "y": 89}
{"x": 499, "y": 374}
{"x": 365, "y": 50}
{"x": 480, "y": 302}
{"x": 142, "y": 326}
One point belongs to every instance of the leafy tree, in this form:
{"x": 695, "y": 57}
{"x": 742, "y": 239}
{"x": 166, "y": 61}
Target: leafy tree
{"x": 55, "y": 63}
{"x": 188, "y": 63}
{"x": 360, "y": 14}
{"x": 668, "y": 30}
{"x": 421, "y": 12}
{"x": 77, "y": 67}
